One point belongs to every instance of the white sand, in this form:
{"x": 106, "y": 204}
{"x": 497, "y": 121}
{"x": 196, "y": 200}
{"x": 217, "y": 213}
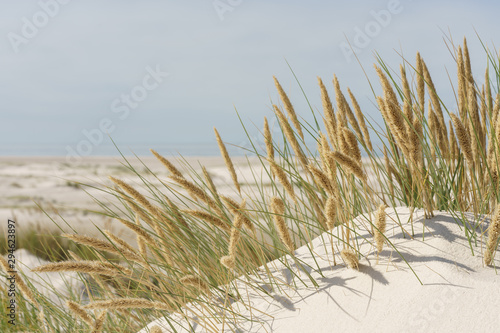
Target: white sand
{"x": 26, "y": 182}
{"x": 457, "y": 294}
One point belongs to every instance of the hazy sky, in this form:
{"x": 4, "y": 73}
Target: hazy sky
{"x": 71, "y": 67}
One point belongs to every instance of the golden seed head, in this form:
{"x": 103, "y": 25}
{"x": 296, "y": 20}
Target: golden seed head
{"x": 278, "y": 209}
{"x": 380, "y": 224}
{"x": 195, "y": 281}
{"x": 289, "y": 107}
{"x": 330, "y": 212}
{"x": 365, "y": 135}
{"x": 463, "y": 138}
{"x": 350, "y": 259}
{"x": 227, "y": 160}
{"x": 350, "y": 164}
{"x": 80, "y": 312}
{"x": 282, "y": 177}
{"x": 228, "y": 262}
{"x": 268, "y": 140}
{"x": 493, "y": 236}
{"x": 170, "y": 167}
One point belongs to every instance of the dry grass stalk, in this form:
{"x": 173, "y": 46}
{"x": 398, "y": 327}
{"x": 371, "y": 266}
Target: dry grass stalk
{"x": 289, "y": 107}
{"x": 237, "y": 209}
{"x": 290, "y": 136}
{"x": 85, "y": 266}
{"x": 328, "y": 163}
{"x": 227, "y": 160}
{"x": 120, "y": 242}
{"x": 141, "y": 243}
{"x": 352, "y": 118}
{"x": 228, "y": 261}
{"x": 496, "y": 110}
{"x": 23, "y": 287}
{"x": 100, "y": 245}
{"x": 352, "y": 143}
{"x": 365, "y": 135}
{"x": 80, "y": 312}
{"x": 463, "y": 138}
{"x": 407, "y": 103}
{"x": 462, "y": 85}
{"x": 392, "y": 112}
{"x": 239, "y": 220}
{"x": 195, "y": 281}
{"x": 321, "y": 179}
{"x": 380, "y": 224}
{"x": 331, "y": 130}
{"x": 278, "y": 209}
{"x": 436, "y": 103}
{"x": 468, "y": 68}
{"x": 342, "y": 143}
{"x": 139, "y": 231}
{"x": 282, "y": 178}
{"x": 231, "y": 204}
{"x": 209, "y": 181}
{"x": 493, "y": 236}
{"x": 488, "y": 96}
{"x": 95, "y": 277}
{"x": 341, "y": 103}
{"x": 415, "y": 137}
{"x": 207, "y": 217}
{"x": 420, "y": 85}
{"x": 125, "y": 249}
{"x": 433, "y": 128}
{"x": 243, "y": 217}
{"x": 331, "y": 166}
{"x": 197, "y": 192}
{"x": 128, "y": 303}
{"x": 92, "y": 242}
{"x": 156, "y": 329}
{"x": 268, "y": 140}
{"x": 387, "y": 163}
{"x": 349, "y": 163}
{"x": 329, "y": 120}
{"x": 331, "y": 212}
{"x": 235, "y": 235}
{"x": 170, "y": 167}
{"x": 475, "y": 130}
{"x": 99, "y": 322}
{"x": 484, "y": 117}
{"x": 350, "y": 258}
{"x": 150, "y": 208}
{"x": 138, "y": 211}
{"x": 452, "y": 142}
{"x": 323, "y": 149}
{"x": 176, "y": 213}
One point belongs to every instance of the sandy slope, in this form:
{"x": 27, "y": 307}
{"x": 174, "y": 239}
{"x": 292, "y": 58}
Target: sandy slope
{"x": 457, "y": 294}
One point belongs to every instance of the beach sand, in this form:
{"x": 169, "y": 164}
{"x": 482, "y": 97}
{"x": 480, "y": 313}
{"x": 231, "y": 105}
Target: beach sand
{"x": 441, "y": 287}
{"x": 52, "y": 183}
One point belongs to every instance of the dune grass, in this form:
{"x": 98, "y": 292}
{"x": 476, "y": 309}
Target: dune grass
{"x": 193, "y": 242}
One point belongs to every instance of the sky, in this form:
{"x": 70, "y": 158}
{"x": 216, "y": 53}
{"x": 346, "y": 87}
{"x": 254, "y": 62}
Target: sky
{"x": 161, "y": 74}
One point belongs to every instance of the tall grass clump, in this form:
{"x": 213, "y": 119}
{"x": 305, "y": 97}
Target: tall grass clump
{"x": 193, "y": 242}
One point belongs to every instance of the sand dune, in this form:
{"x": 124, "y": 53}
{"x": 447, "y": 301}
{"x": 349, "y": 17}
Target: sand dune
{"x": 450, "y": 290}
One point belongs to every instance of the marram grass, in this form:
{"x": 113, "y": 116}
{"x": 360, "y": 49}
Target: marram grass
{"x": 192, "y": 239}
